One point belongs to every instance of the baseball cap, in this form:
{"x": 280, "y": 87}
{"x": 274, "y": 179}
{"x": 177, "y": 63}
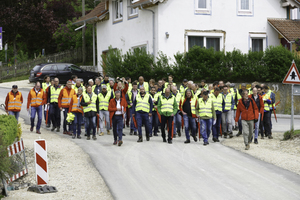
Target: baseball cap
{"x": 14, "y": 86}
{"x": 185, "y": 80}
{"x": 104, "y": 87}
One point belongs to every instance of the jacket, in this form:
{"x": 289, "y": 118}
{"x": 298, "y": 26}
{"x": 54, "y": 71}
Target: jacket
{"x": 246, "y": 114}
{"x": 261, "y": 104}
{"x": 39, "y": 98}
{"x": 112, "y": 107}
{"x": 10, "y": 98}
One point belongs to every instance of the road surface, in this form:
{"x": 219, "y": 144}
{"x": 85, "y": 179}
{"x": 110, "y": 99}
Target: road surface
{"x": 157, "y": 170}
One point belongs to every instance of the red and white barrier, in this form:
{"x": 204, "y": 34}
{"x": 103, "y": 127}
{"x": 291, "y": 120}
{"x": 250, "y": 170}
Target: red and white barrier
{"x": 41, "y": 162}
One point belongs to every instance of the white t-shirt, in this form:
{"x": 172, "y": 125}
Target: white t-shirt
{"x": 118, "y": 106}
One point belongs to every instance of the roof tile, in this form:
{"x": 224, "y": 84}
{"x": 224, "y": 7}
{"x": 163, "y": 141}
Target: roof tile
{"x": 289, "y": 29}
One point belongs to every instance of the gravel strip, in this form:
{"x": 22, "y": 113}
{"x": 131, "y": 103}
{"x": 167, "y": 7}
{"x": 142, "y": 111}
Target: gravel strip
{"x": 285, "y": 154}
{"x": 71, "y": 170}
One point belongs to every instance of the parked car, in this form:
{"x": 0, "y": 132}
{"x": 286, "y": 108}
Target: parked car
{"x": 63, "y": 71}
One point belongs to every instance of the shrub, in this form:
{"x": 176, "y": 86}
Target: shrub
{"x": 9, "y": 128}
{"x": 291, "y": 134}
{"x": 6, "y": 162}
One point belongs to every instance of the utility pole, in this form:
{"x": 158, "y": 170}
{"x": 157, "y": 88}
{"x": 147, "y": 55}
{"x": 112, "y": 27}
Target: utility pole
{"x": 83, "y": 35}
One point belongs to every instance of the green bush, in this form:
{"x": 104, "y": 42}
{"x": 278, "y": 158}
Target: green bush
{"x": 291, "y": 134}
{"x": 9, "y": 128}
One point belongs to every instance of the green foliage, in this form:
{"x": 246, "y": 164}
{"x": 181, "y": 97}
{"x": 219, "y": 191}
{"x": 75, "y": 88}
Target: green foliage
{"x": 112, "y": 62}
{"x": 5, "y": 164}
{"x": 8, "y": 128}
{"x": 291, "y": 134}
{"x": 19, "y": 132}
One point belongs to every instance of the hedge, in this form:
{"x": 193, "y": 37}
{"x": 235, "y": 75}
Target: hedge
{"x": 201, "y": 63}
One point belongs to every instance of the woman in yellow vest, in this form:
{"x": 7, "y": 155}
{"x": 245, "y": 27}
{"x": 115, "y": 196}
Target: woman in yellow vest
{"x": 13, "y": 102}
{"x": 206, "y": 111}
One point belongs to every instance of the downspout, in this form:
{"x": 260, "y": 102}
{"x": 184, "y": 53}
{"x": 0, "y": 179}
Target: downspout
{"x": 153, "y": 31}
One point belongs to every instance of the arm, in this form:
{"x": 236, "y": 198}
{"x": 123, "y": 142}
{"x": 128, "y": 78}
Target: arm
{"x": 213, "y": 110}
{"x": 133, "y": 106}
{"x": 83, "y": 103}
{"x": 21, "y": 98}
{"x": 60, "y": 97}
{"x": 111, "y": 107}
{"x": 28, "y": 100}
{"x": 127, "y": 99}
{"x": 44, "y": 98}
{"x": 159, "y": 106}
{"x": 238, "y": 112}
{"x": 262, "y": 106}
{"x": 115, "y": 86}
{"x": 97, "y": 105}
{"x": 48, "y": 94}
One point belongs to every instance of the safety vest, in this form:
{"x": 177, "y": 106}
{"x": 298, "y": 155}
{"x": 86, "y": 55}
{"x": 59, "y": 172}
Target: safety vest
{"x": 129, "y": 87}
{"x": 167, "y": 104}
{"x": 155, "y": 98}
{"x": 130, "y": 96}
{"x": 107, "y": 86}
{"x": 266, "y": 105}
{"x": 92, "y": 105}
{"x": 182, "y": 90}
{"x": 14, "y": 103}
{"x": 142, "y": 104}
{"x": 66, "y": 98}
{"x": 273, "y": 103}
{"x": 217, "y": 101}
{"x": 206, "y": 86}
{"x": 205, "y": 108}
{"x": 178, "y": 98}
{"x": 75, "y": 107}
{"x": 193, "y": 105}
{"x": 104, "y": 101}
{"x": 238, "y": 96}
{"x": 146, "y": 86}
{"x": 36, "y": 99}
{"x": 76, "y": 88}
{"x": 45, "y": 86}
{"x": 228, "y": 101}
{"x": 167, "y": 83}
{"x": 54, "y": 94}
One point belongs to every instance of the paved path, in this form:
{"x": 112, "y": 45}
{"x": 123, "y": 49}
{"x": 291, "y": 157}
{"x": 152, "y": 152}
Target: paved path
{"x": 157, "y": 170}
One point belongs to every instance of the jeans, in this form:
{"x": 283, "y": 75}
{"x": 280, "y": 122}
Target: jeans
{"x": 117, "y": 126}
{"x": 164, "y": 120}
{"x": 91, "y": 125}
{"x": 216, "y": 127}
{"x": 240, "y": 124}
{"x": 257, "y": 127}
{"x": 39, "y": 111}
{"x": 77, "y": 123}
{"x": 104, "y": 115}
{"x": 142, "y": 118}
{"x": 226, "y": 120}
{"x": 206, "y": 125}
{"x": 16, "y": 114}
{"x": 55, "y": 114}
{"x": 177, "y": 123}
{"x": 189, "y": 123}
{"x": 153, "y": 122}
{"x": 132, "y": 126}
{"x": 65, "y": 112}
{"x": 247, "y": 130}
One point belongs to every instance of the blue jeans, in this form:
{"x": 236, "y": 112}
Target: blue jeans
{"x": 216, "y": 127}
{"x": 189, "y": 122}
{"x": 16, "y": 114}
{"x": 153, "y": 122}
{"x": 55, "y": 114}
{"x": 66, "y": 110}
{"x": 142, "y": 118}
{"x": 91, "y": 125}
{"x": 256, "y": 125}
{"x": 177, "y": 123}
{"x": 132, "y": 127}
{"x": 240, "y": 124}
{"x": 77, "y": 123}
{"x": 117, "y": 126}
{"x": 205, "y": 125}
{"x": 39, "y": 111}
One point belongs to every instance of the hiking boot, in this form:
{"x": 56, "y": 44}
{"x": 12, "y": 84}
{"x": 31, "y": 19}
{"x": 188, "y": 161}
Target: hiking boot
{"x": 53, "y": 128}
{"x": 94, "y": 137}
{"x": 187, "y": 141}
{"x": 131, "y": 132}
{"x": 101, "y": 133}
{"x": 230, "y": 135}
{"x": 57, "y": 129}
{"x": 170, "y": 141}
{"x": 108, "y": 132}
{"x": 238, "y": 134}
{"x": 255, "y": 141}
{"x": 120, "y": 143}
{"x": 140, "y": 139}
{"x": 270, "y": 136}
{"x": 164, "y": 140}
{"x": 73, "y": 136}
{"x": 195, "y": 138}
{"x": 262, "y": 137}
{"x": 115, "y": 142}
{"x": 148, "y": 138}
{"x": 179, "y": 133}
{"x": 38, "y": 132}
{"x": 205, "y": 143}
{"x": 135, "y": 133}
{"x": 215, "y": 139}
{"x": 31, "y": 129}
{"x": 48, "y": 126}
{"x": 174, "y": 136}
{"x": 247, "y": 147}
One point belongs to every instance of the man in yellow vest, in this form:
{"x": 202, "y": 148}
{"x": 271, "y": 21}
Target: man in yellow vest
{"x": 154, "y": 118}
{"x": 64, "y": 100}
{"x": 106, "y": 82}
{"x": 36, "y": 98}
{"x": 144, "y": 84}
{"x": 167, "y": 108}
{"x": 52, "y": 100}
{"x": 206, "y": 112}
{"x": 97, "y": 87}
{"x": 183, "y": 87}
{"x": 142, "y": 106}
{"x": 236, "y": 96}
{"x": 130, "y": 97}
{"x": 203, "y": 84}
{"x": 90, "y": 104}
{"x": 217, "y": 98}
{"x": 228, "y": 106}
{"x": 177, "y": 116}
{"x": 13, "y": 102}
{"x": 77, "y": 85}
{"x": 104, "y": 97}
{"x": 77, "y": 110}
{"x": 170, "y": 81}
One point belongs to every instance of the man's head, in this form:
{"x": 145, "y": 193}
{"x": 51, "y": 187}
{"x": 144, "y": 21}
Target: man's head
{"x": 170, "y": 78}
{"x": 259, "y": 90}
{"x": 217, "y": 91}
{"x": 141, "y": 80}
{"x": 118, "y": 94}
{"x": 91, "y": 82}
{"x": 254, "y": 90}
{"x": 106, "y": 78}
{"x": 156, "y": 86}
{"x": 221, "y": 83}
{"x": 56, "y": 81}
{"x": 142, "y": 90}
{"x": 47, "y": 79}
{"x": 225, "y": 89}
{"x": 215, "y": 84}
{"x": 80, "y": 91}
{"x": 104, "y": 88}
{"x": 128, "y": 79}
{"x": 203, "y": 82}
{"x": 185, "y": 82}
{"x": 134, "y": 86}
{"x": 188, "y": 93}
{"x": 243, "y": 86}
{"x": 74, "y": 77}
{"x": 174, "y": 89}
{"x": 160, "y": 83}
{"x": 167, "y": 92}
{"x": 37, "y": 85}
{"x": 265, "y": 89}
{"x": 97, "y": 81}
{"x": 111, "y": 83}
{"x": 89, "y": 89}
{"x": 190, "y": 84}
{"x": 205, "y": 95}
{"x": 210, "y": 87}
{"x": 153, "y": 90}
{"x": 15, "y": 88}
{"x": 245, "y": 94}
{"x": 69, "y": 84}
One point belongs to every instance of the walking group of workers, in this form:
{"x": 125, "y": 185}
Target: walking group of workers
{"x": 198, "y": 108}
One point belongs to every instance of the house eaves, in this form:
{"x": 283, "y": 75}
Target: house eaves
{"x": 288, "y": 29}
{"x": 145, "y": 3}
{"x": 290, "y": 3}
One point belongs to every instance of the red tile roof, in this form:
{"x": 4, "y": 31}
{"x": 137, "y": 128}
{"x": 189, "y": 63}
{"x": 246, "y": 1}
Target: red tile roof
{"x": 289, "y": 29}
{"x": 96, "y": 12}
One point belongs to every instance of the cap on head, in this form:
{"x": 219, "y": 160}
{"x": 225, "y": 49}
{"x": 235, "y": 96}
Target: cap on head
{"x": 243, "y": 84}
{"x": 104, "y": 87}
{"x": 185, "y": 80}
{"x": 14, "y": 87}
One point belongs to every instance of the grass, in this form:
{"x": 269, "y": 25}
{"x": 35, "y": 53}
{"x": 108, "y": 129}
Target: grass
{"x": 291, "y": 134}
{"x": 18, "y": 78}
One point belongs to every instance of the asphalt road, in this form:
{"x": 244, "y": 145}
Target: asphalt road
{"x": 157, "y": 170}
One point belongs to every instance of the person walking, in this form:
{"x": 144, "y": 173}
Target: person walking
{"x": 217, "y": 99}
{"x": 36, "y": 98}
{"x": 187, "y": 107}
{"x": 117, "y": 108}
{"x": 266, "y": 119}
{"x": 142, "y": 106}
{"x": 97, "y": 87}
{"x": 64, "y": 100}
{"x": 77, "y": 110}
{"x": 228, "y": 106}
{"x": 167, "y": 108}
{"x": 144, "y": 84}
{"x": 248, "y": 111}
{"x": 128, "y": 79}
{"x": 52, "y": 100}
{"x": 177, "y": 116}
{"x": 13, "y": 102}
{"x": 206, "y": 112}
{"x": 236, "y": 96}
{"x": 130, "y": 97}
{"x": 45, "y": 86}
{"x": 153, "y": 124}
{"x": 104, "y": 98}
{"x": 90, "y": 105}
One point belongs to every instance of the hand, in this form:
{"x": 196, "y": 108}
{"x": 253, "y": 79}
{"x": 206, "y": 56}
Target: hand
{"x": 89, "y": 102}
{"x": 172, "y": 115}
{"x": 131, "y": 104}
{"x": 150, "y": 114}
{"x": 236, "y": 124}
{"x": 48, "y": 104}
{"x": 155, "y": 107}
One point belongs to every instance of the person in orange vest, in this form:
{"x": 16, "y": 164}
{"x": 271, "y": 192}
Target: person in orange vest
{"x": 13, "y": 102}
{"x": 77, "y": 110}
{"x": 36, "y": 98}
{"x": 64, "y": 100}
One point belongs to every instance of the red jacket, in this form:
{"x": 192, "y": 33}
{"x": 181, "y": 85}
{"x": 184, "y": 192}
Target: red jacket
{"x": 261, "y": 103}
{"x": 246, "y": 114}
{"x": 112, "y": 107}
{"x": 124, "y": 91}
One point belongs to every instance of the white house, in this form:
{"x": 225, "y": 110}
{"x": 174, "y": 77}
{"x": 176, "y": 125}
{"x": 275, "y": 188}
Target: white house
{"x": 173, "y": 26}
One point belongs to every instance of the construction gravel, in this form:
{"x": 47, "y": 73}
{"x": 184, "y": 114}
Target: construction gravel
{"x": 285, "y": 154}
{"x": 71, "y": 170}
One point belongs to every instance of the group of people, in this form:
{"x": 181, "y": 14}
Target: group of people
{"x": 198, "y": 108}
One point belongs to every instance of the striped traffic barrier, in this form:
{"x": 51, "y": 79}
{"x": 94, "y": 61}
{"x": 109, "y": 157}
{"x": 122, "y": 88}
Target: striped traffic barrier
{"x": 41, "y": 162}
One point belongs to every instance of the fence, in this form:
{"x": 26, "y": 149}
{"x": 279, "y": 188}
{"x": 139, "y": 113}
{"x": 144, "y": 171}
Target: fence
{"x": 24, "y": 68}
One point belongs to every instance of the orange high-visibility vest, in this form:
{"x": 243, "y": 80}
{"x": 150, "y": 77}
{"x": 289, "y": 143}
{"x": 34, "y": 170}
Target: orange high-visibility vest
{"x": 66, "y": 98}
{"x": 36, "y": 99}
{"x": 14, "y": 103}
{"x": 75, "y": 107}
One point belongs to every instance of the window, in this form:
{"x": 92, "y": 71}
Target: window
{"x": 132, "y": 12}
{"x": 61, "y": 67}
{"x": 203, "y": 7}
{"x": 50, "y": 68}
{"x": 118, "y": 10}
{"x": 142, "y": 47}
{"x": 213, "y": 42}
{"x": 205, "y": 41}
{"x": 245, "y": 7}
{"x": 195, "y": 40}
{"x": 258, "y": 41}
{"x": 257, "y": 45}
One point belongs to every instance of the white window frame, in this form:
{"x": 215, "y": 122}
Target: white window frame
{"x": 262, "y": 36}
{"x": 120, "y": 10}
{"x": 203, "y": 11}
{"x": 204, "y": 35}
{"x": 136, "y": 13}
{"x": 139, "y": 45}
{"x": 242, "y": 12}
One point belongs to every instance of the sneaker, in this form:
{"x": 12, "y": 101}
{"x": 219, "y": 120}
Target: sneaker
{"x": 38, "y": 132}
{"x": 94, "y": 137}
{"x": 53, "y": 128}
{"x": 187, "y": 141}
{"x": 247, "y": 147}
{"x": 120, "y": 143}
{"x": 255, "y": 141}
{"x": 115, "y": 142}
{"x": 101, "y": 133}
{"x": 57, "y": 129}
{"x": 238, "y": 134}
{"x": 88, "y": 138}
{"x": 108, "y": 132}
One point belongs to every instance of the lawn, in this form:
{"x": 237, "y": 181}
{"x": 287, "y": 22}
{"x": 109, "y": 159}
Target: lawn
{"x": 18, "y": 78}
